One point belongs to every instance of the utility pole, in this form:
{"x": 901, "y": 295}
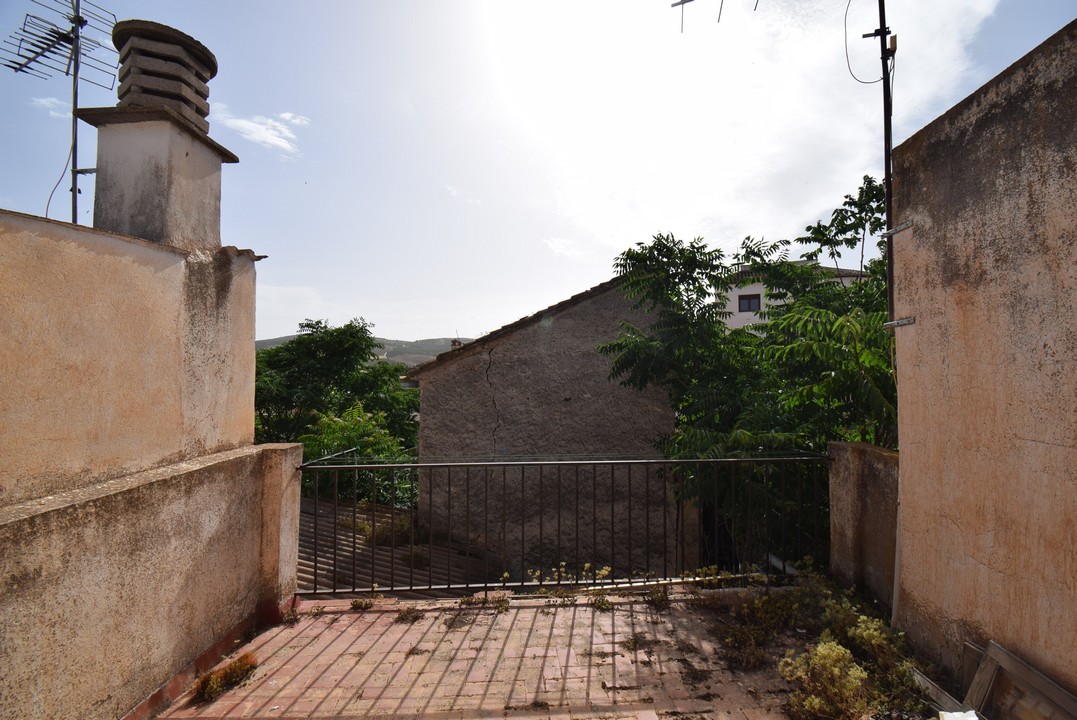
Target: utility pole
{"x": 887, "y": 51}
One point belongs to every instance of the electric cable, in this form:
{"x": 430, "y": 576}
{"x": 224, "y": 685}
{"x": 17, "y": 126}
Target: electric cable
{"x": 67, "y": 163}
{"x": 847, "y": 63}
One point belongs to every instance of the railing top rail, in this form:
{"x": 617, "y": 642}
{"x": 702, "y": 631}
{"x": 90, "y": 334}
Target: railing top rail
{"x": 774, "y": 460}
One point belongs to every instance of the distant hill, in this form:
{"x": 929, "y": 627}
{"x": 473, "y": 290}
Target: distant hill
{"x": 408, "y": 352}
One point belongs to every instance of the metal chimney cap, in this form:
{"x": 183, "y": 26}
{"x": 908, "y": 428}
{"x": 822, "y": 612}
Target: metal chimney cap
{"x": 126, "y": 29}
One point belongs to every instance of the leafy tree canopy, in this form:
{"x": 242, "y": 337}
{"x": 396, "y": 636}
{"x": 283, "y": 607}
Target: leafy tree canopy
{"x": 816, "y": 368}
{"x": 326, "y": 382}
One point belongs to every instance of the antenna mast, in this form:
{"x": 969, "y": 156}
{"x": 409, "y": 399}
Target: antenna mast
{"x": 42, "y": 47}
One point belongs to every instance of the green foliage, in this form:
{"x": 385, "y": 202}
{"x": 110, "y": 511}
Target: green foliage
{"x": 817, "y": 368}
{"x": 325, "y": 388}
{"x": 854, "y": 666}
{"x": 828, "y": 683}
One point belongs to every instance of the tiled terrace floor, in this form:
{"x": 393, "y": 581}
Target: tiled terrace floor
{"x": 532, "y": 660}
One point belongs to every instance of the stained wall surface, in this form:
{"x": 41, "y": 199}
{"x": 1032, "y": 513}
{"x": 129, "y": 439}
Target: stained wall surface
{"x": 541, "y": 389}
{"x": 988, "y": 373}
{"x": 117, "y": 354}
{"x": 117, "y": 586}
{"x": 863, "y": 517}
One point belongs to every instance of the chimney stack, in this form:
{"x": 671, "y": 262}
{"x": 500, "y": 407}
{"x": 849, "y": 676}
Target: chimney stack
{"x": 158, "y": 171}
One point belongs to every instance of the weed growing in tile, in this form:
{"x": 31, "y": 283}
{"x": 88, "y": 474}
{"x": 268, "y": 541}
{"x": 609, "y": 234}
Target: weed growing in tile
{"x": 459, "y": 620}
{"x": 415, "y": 650}
{"x": 601, "y": 603}
{"x": 211, "y": 685}
{"x": 409, "y": 614}
{"x": 317, "y": 611}
{"x": 851, "y": 642}
{"x": 290, "y": 617}
{"x": 658, "y": 598}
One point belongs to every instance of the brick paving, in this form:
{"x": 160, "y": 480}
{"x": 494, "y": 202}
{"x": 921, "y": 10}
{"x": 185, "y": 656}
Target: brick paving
{"x": 532, "y": 660}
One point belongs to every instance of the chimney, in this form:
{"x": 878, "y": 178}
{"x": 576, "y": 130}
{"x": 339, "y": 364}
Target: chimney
{"x": 158, "y": 171}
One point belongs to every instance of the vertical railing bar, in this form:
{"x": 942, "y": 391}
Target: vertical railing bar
{"x": 355, "y": 525}
{"x": 523, "y": 526}
{"x": 317, "y": 482}
{"x": 613, "y": 524}
{"x": 647, "y": 518}
{"x": 631, "y": 530}
{"x": 666, "y": 511}
{"x": 486, "y": 528}
{"x": 430, "y": 525}
{"x": 682, "y": 523}
{"x": 720, "y": 514}
{"x": 731, "y": 519}
{"x": 372, "y": 536}
{"x": 333, "y": 529}
{"x": 448, "y": 523}
{"x": 594, "y": 520}
{"x": 412, "y": 525}
{"x": 576, "y": 535}
{"x": 392, "y": 533}
{"x": 559, "y": 559}
{"x": 542, "y": 519}
{"x": 504, "y": 527}
{"x": 467, "y": 525}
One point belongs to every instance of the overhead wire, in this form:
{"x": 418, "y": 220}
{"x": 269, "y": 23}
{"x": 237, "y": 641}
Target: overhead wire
{"x": 848, "y": 64}
{"x": 67, "y": 163}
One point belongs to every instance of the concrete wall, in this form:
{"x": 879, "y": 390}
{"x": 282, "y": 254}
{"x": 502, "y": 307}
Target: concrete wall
{"x": 118, "y": 586}
{"x": 863, "y": 517}
{"x": 118, "y": 355}
{"x": 988, "y": 411}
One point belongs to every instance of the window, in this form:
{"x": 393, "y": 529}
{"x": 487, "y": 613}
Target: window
{"x": 748, "y": 303}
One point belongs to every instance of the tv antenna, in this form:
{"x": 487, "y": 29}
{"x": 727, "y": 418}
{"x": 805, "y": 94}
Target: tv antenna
{"x": 56, "y": 42}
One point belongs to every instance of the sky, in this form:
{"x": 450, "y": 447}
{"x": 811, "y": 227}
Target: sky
{"x": 446, "y": 167}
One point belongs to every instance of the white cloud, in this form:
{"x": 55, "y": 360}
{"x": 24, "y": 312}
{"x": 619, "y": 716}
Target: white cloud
{"x": 270, "y": 132}
{"x": 299, "y": 120}
{"x": 56, "y": 108}
{"x": 766, "y": 139}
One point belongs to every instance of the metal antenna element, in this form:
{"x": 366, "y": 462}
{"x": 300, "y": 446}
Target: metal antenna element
{"x": 681, "y": 4}
{"x": 57, "y": 43}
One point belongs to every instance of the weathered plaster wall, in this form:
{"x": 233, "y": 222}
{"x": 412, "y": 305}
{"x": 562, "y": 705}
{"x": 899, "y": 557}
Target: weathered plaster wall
{"x": 863, "y": 517}
{"x": 988, "y": 372}
{"x": 117, "y": 586}
{"x": 543, "y": 390}
{"x": 159, "y": 182}
{"x": 117, "y": 355}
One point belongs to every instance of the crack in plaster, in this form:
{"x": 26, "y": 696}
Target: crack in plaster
{"x": 493, "y": 398}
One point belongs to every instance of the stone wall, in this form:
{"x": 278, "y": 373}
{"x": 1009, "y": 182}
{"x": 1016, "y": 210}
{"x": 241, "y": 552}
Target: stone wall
{"x": 119, "y": 355}
{"x": 540, "y": 389}
{"x": 988, "y": 411}
{"x": 863, "y": 517}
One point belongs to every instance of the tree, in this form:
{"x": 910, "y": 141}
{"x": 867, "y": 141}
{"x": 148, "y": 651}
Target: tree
{"x": 816, "y": 369}
{"x": 304, "y": 385}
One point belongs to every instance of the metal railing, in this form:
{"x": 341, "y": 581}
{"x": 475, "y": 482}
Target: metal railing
{"x": 457, "y": 527}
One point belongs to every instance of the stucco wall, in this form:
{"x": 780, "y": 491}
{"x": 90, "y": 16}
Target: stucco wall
{"x": 117, "y": 355}
{"x": 863, "y": 516}
{"x": 988, "y": 372}
{"x": 117, "y": 586}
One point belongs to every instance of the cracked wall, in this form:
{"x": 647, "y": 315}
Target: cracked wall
{"x": 987, "y": 375}
{"x": 543, "y": 390}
